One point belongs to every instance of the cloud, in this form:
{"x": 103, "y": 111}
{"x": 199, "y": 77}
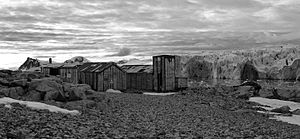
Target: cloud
{"x": 99, "y": 28}
{"x": 122, "y": 52}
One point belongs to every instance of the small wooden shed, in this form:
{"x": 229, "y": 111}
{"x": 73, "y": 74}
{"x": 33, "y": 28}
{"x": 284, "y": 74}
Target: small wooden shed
{"x": 139, "y": 77}
{"x": 51, "y": 69}
{"x": 69, "y": 72}
{"x": 102, "y": 76}
{"x": 165, "y": 69}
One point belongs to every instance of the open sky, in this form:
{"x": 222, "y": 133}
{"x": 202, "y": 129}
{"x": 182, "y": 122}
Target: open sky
{"x": 104, "y": 30}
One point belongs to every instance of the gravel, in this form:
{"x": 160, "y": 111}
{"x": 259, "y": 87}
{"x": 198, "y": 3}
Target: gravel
{"x": 192, "y": 114}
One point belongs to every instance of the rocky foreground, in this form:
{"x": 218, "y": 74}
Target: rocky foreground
{"x": 195, "y": 113}
{"x": 203, "y": 112}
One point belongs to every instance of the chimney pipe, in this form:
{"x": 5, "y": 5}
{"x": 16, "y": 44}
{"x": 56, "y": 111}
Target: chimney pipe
{"x": 50, "y": 60}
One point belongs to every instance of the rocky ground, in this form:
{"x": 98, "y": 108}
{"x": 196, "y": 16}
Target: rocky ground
{"x": 203, "y": 112}
{"x": 196, "y": 113}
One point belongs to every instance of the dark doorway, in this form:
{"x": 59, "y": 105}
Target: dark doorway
{"x": 54, "y": 71}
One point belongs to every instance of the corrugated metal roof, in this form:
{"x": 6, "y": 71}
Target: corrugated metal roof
{"x": 138, "y": 68}
{"x": 95, "y": 67}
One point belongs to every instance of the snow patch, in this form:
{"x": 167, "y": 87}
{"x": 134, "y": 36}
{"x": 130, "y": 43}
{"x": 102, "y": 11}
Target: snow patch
{"x": 274, "y": 103}
{"x": 158, "y": 94}
{"x": 37, "y": 105}
{"x": 113, "y": 91}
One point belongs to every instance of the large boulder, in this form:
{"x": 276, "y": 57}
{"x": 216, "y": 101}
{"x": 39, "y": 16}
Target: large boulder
{"x": 14, "y": 92}
{"x": 296, "y": 112}
{"x": 4, "y": 82}
{"x": 283, "y": 109}
{"x": 286, "y": 93}
{"x": 249, "y": 72}
{"x": 266, "y": 92}
{"x": 49, "y": 88}
{"x": 33, "y": 96}
{"x": 244, "y": 92}
{"x": 22, "y": 83}
{"x": 51, "y": 95}
{"x": 78, "y": 92}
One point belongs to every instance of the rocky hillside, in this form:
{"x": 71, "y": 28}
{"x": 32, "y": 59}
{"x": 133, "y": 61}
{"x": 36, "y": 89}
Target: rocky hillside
{"x": 29, "y": 64}
{"x": 266, "y": 63}
{"x": 77, "y": 60}
{"x": 34, "y": 64}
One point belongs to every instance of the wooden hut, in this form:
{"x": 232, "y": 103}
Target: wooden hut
{"x": 69, "y": 72}
{"x": 102, "y": 76}
{"x": 139, "y": 77}
{"x": 165, "y": 70}
{"x": 51, "y": 69}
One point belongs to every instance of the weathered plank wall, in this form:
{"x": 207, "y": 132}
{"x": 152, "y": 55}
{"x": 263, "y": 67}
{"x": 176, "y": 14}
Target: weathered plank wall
{"x": 140, "y": 81}
{"x": 110, "y": 78}
{"x": 69, "y": 74}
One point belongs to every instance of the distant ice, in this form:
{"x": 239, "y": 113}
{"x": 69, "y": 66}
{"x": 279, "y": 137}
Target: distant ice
{"x": 36, "y": 105}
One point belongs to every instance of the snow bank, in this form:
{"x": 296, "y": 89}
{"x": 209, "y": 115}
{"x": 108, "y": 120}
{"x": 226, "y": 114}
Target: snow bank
{"x": 274, "y": 103}
{"x": 113, "y": 91}
{"x": 37, "y": 105}
{"x": 158, "y": 94}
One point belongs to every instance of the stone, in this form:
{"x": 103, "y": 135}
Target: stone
{"x": 4, "y": 91}
{"x": 244, "y": 92}
{"x": 49, "y": 88}
{"x": 297, "y": 92}
{"x": 249, "y": 72}
{"x": 90, "y": 92}
{"x": 296, "y": 112}
{"x": 13, "y": 92}
{"x": 283, "y": 109}
{"x": 33, "y": 96}
{"x": 286, "y": 93}
{"x": 78, "y": 92}
{"x": 21, "y": 83}
{"x": 67, "y": 87}
{"x": 4, "y": 82}
{"x": 266, "y": 92}
{"x": 16, "y": 92}
{"x": 45, "y": 85}
{"x": 51, "y": 95}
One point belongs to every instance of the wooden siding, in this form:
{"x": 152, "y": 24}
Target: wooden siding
{"x": 110, "y": 78}
{"x": 69, "y": 74}
{"x": 140, "y": 81}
